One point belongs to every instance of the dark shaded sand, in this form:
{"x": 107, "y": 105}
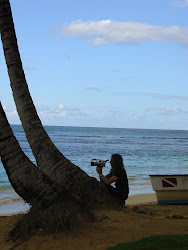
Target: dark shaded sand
{"x": 113, "y": 227}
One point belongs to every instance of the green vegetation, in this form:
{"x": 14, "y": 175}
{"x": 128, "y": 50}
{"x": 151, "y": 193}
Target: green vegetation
{"x": 162, "y": 242}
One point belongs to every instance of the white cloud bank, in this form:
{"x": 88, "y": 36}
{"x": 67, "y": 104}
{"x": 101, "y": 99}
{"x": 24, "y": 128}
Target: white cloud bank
{"x": 110, "y": 32}
{"x": 165, "y": 111}
{"x": 52, "y": 112}
{"x": 10, "y": 110}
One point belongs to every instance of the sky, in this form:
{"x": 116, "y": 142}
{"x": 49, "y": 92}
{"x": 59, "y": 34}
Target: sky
{"x": 103, "y": 63}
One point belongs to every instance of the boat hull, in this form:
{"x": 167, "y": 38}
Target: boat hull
{"x": 170, "y": 189}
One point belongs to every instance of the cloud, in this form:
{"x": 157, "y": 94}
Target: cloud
{"x": 93, "y": 89}
{"x": 43, "y": 110}
{"x": 165, "y": 111}
{"x": 37, "y": 98}
{"x": 28, "y": 68}
{"x": 125, "y": 79}
{"x": 58, "y": 111}
{"x": 67, "y": 56}
{"x": 10, "y": 111}
{"x": 113, "y": 32}
{"x": 115, "y": 70}
{"x": 11, "y": 114}
{"x": 165, "y": 97}
{"x": 181, "y": 3}
{"x": 157, "y": 96}
{"x": 186, "y": 63}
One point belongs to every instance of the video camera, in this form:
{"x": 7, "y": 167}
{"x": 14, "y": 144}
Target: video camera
{"x": 98, "y": 163}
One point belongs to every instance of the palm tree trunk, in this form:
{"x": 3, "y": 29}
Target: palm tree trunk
{"x": 49, "y": 159}
{"x": 35, "y": 133}
{"x": 27, "y": 180}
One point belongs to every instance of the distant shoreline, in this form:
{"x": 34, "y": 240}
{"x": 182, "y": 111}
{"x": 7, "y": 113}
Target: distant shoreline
{"x": 105, "y": 127}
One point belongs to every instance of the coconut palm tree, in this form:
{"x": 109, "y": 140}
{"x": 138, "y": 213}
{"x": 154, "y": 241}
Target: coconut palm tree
{"x": 49, "y": 159}
{"x": 28, "y": 181}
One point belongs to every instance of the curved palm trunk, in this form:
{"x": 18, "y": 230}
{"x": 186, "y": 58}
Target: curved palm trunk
{"x": 27, "y": 180}
{"x": 44, "y": 150}
{"x": 49, "y": 159}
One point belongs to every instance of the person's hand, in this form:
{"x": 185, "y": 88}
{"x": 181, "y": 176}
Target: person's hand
{"x": 99, "y": 170}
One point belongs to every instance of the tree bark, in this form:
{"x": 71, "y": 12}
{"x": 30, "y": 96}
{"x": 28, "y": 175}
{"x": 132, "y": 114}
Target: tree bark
{"x": 28, "y": 181}
{"x": 49, "y": 159}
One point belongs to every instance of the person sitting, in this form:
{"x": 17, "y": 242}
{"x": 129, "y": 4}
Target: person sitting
{"x": 118, "y": 176}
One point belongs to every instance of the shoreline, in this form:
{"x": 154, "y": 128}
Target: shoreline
{"x": 139, "y": 199}
{"x": 19, "y": 207}
{"x": 14, "y": 208}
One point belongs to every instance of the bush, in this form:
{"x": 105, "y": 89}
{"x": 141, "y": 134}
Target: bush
{"x": 156, "y": 242}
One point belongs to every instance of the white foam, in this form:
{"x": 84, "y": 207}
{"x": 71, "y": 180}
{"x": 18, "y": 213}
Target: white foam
{"x": 15, "y": 206}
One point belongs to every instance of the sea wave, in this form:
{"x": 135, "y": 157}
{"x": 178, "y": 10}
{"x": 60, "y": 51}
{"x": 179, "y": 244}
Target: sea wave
{"x": 119, "y": 137}
{"x": 5, "y": 186}
{"x": 9, "y": 200}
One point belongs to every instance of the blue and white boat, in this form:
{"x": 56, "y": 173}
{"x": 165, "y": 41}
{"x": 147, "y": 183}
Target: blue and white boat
{"x": 170, "y": 189}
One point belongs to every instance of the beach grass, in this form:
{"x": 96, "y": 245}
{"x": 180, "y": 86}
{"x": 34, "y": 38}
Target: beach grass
{"x": 156, "y": 242}
{"x": 58, "y": 217}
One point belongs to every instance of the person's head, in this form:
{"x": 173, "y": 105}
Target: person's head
{"x": 116, "y": 162}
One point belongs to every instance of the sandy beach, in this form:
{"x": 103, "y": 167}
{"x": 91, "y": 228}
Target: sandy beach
{"x": 113, "y": 227}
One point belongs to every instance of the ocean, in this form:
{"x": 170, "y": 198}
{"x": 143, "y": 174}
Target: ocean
{"x": 145, "y": 152}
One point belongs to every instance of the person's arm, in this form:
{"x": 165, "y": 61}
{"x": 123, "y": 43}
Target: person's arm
{"x": 108, "y": 179}
{"x": 108, "y": 176}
